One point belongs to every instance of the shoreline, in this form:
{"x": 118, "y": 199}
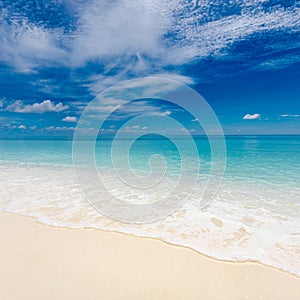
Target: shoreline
{"x": 172, "y": 271}
{"x": 33, "y": 219}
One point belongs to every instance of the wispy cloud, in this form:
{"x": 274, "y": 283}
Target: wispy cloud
{"x": 251, "y": 117}
{"x": 123, "y": 34}
{"x": 134, "y": 128}
{"x": 127, "y": 29}
{"x": 216, "y": 37}
{"x": 163, "y": 114}
{"x": 97, "y": 83}
{"x": 58, "y": 128}
{"x": 278, "y": 62}
{"x": 290, "y": 115}
{"x": 173, "y": 76}
{"x": 138, "y": 109}
{"x": 27, "y": 46}
{"x": 39, "y": 108}
{"x": 120, "y": 110}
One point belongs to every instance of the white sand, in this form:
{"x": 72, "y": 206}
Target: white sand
{"x": 40, "y": 262}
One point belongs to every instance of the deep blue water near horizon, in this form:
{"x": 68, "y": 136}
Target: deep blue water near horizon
{"x": 255, "y": 214}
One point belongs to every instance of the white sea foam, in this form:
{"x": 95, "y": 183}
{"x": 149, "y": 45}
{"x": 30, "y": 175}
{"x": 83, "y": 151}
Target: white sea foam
{"x": 245, "y": 222}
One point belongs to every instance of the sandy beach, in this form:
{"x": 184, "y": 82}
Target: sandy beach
{"x": 41, "y": 262}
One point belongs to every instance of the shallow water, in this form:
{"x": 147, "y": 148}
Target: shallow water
{"x": 255, "y": 214}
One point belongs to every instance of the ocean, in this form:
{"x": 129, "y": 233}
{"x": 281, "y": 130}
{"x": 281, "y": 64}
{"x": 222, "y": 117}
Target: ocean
{"x": 254, "y": 215}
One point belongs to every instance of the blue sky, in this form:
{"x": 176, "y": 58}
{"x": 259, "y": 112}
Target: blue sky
{"x": 242, "y": 56}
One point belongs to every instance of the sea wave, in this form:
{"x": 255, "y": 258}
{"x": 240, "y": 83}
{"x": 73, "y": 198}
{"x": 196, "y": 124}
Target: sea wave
{"x": 245, "y": 222}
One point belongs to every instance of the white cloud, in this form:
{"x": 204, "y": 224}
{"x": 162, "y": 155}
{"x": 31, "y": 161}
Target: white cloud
{"x": 278, "y": 63}
{"x": 98, "y": 83}
{"x": 132, "y": 128}
{"x": 251, "y": 117}
{"x": 214, "y": 37}
{"x": 26, "y": 46}
{"x": 289, "y": 115}
{"x": 130, "y": 30}
{"x": 1, "y": 103}
{"x": 39, "y": 108}
{"x": 124, "y": 28}
{"x": 58, "y": 128}
{"x": 143, "y": 87}
{"x": 162, "y": 114}
{"x": 22, "y": 127}
{"x": 176, "y": 77}
{"x": 127, "y": 28}
{"x": 135, "y": 128}
{"x": 140, "y": 89}
{"x": 70, "y": 119}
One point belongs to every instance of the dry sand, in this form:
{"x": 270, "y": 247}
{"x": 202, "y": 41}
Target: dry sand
{"x": 41, "y": 262}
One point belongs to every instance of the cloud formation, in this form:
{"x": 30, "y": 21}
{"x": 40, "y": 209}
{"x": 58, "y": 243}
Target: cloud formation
{"x": 74, "y": 49}
{"x": 39, "y": 108}
{"x": 290, "y": 115}
{"x": 70, "y": 119}
{"x": 26, "y": 46}
{"x": 140, "y": 36}
{"x": 59, "y": 128}
{"x": 251, "y": 117}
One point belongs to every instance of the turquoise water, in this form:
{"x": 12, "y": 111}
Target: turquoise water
{"x": 266, "y": 159}
{"x": 255, "y": 214}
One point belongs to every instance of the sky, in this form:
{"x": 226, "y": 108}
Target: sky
{"x": 242, "y": 56}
